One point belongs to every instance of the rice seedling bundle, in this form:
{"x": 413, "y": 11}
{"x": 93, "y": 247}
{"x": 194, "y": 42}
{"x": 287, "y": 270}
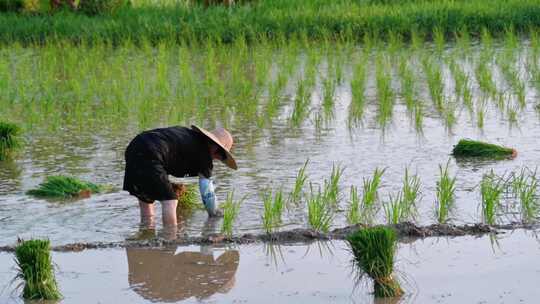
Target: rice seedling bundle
{"x": 64, "y": 187}
{"x": 9, "y": 139}
{"x": 188, "y": 197}
{"x": 474, "y": 148}
{"x": 35, "y": 268}
{"x": 374, "y": 250}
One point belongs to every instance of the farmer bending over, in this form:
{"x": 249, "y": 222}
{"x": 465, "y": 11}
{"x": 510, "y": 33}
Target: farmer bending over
{"x": 179, "y": 151}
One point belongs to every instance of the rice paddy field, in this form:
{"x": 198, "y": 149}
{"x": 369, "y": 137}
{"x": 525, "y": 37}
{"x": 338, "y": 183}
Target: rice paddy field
{"x": 333, "y": 126}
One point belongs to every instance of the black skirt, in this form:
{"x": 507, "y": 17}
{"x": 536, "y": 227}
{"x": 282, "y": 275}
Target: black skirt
{"x": 152, "y": 155}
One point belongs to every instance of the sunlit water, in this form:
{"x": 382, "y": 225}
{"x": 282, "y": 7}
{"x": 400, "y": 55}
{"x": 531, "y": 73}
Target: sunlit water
{"x": 270, "y": 156}
{"x": 485, "y": 269}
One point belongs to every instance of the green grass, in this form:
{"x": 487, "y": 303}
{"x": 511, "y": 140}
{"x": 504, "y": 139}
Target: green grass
{"x": 9, "y": 139}
{"x": 275, "y": 19}
{"x": 473, "y": 148}
{"x": 320, "y": 213}
{"x": 491, "y": 190}
{"x": 374, "y": 250}
{"x": 231, "y": 207}
{"x": 64, "y": 187}
{"x": 525, "y": 188}
{"x": 35, "y": 268}
{"x": 273, "y": 209}
{"x": 445, "y": 192}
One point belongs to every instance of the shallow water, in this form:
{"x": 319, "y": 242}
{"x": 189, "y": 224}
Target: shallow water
{"x": 271, "y": 156}
{"x": 432, "y": 270}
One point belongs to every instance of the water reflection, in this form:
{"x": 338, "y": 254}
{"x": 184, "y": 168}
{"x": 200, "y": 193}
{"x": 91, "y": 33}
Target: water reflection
{"x": 165, "y": 275}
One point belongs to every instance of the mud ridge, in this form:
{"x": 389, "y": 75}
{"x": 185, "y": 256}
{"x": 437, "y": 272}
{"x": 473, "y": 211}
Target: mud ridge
{"x": 406, "y": 231}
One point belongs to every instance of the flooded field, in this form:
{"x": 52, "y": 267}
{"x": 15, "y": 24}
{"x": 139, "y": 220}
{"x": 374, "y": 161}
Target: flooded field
{"x": 361, "y": 107}
{"x": 488, "y": 269}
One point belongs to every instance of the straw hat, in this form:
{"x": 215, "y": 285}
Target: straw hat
{"x": 222, "y": 138}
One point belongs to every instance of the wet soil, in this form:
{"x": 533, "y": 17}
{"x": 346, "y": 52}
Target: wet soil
{"x": 406, "y": 232}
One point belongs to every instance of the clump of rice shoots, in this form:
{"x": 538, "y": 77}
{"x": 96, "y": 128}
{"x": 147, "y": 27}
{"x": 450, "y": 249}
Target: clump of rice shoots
{"x": 473, "y": 148}
{"x": 320, "y": 215}
{"x": 35, "y": 267}
{"x": 491, "y": 191}
{"x": 64, "y": 187}
{"x": 188, "y": 197}
{"x": 374, "y": 250}
{"x": 230, "y": 212}
{"x": 9, "y": 139}
{"x": 301, "y": 178}
{"x": 273, "y": 209}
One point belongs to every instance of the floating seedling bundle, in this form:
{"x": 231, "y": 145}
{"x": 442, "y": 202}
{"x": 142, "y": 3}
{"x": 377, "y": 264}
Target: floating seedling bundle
{"x": 9, "y": 140}
{"x": 473, "y": 148}
{"x": 35, "y": 268}
{"x": 64, "y": 187}
{"x": 374, "y": 250}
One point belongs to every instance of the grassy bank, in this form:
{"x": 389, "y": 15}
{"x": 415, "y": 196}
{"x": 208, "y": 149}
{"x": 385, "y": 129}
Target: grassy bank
{"x": 274, "y": 19}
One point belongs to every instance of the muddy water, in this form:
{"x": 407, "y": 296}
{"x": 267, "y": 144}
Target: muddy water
{"x": 432, "y": 270}
{"x": 267, "y": 157}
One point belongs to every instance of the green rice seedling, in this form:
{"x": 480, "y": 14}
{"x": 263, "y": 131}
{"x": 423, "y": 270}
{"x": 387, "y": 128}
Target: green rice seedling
{"x": 385, "y": 94}
{"x": 461, "y": 87}
{"x": 331, "y": 189}
{"x": 302, "y": 101}
{"x": 407, "y": 78}
{"x": 35, "y": 268}
{"x": 434, "y": 80}
{"x": 299, "y": 183}
{"x": 273, "y": 209}
{"x": 445, "y": 192}
{"x": 329, "y": 91}
{"x": 438, "y": 39}
{"x": 230, "y": 212}
{"x": 480, "y": 114}
{"x": 64, "y": 187}
{"x": 353, "y": 213}
{"x": 395, "y": 209}
{"x": 411, "y": 194}
{"x": 491, "y": 191}
{"x": 9, "y": 139}
{"x": 370, "y": 188}
{"x": 463, "y": 40}
{"x": 320, "y": 214}
{"x": 528, "y": 198}
{"x": 484, "y": 77}
{"x": 474, "y": 148}
{"x": 358, "y": 86}
{"x": 374, "y": 250}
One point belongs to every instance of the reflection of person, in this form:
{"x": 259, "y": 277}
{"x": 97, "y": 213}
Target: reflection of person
{"x": 162, "y": 275}
{"x": 152, "y": 155}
